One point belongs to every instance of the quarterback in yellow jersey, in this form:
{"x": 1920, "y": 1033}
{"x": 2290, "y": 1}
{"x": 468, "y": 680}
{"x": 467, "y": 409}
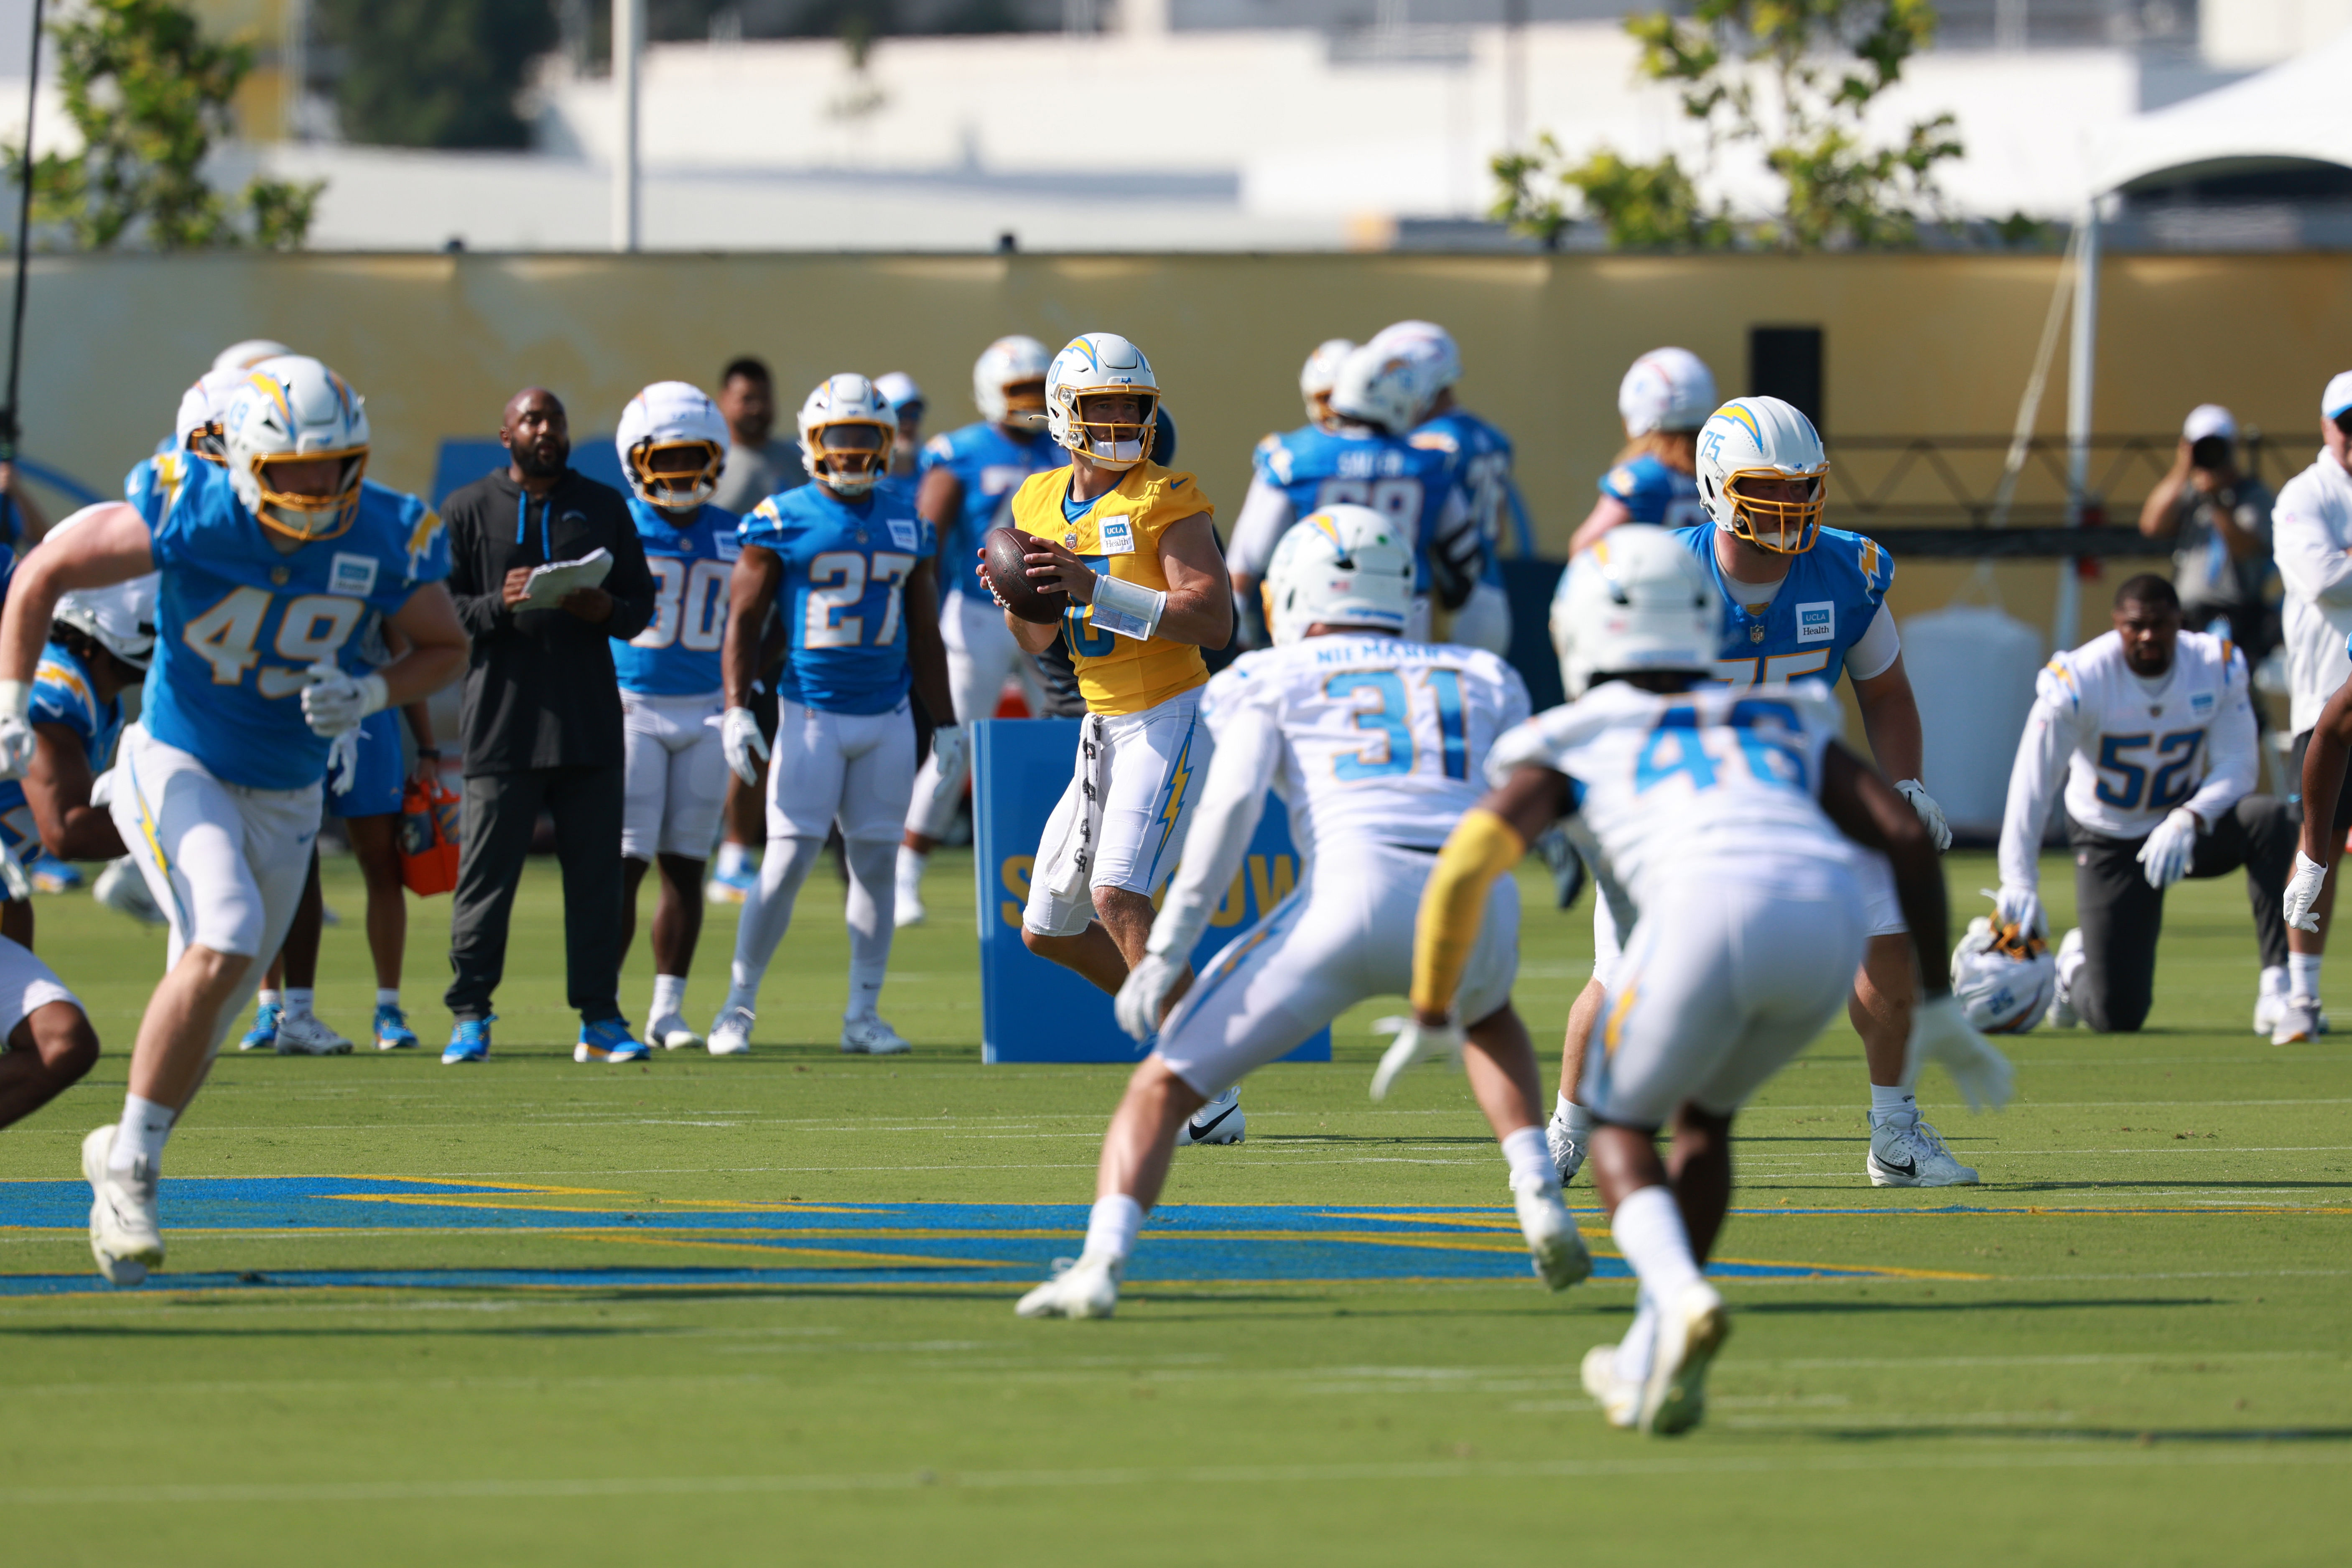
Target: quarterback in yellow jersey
{"x": 1132, "y": 545}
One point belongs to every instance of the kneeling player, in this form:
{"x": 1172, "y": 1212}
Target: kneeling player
{"x": 1375, "y": 743}
{"x": 46, "y": 1040}
{"x": 1714, "y": 820}
{"x": 2155, "y": 729}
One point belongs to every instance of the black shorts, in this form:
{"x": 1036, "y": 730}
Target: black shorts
{"x": 2342, "y": 798}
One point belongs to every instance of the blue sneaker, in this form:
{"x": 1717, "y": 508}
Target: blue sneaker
{"x": 263, "y": 1035}
{"x": 609, "y": 1041}
{"x": 51, "y": 875}
{"x": 732, "y": 887}
{"x": 468, "y": 1042}
{"x": 392, "y": 1030}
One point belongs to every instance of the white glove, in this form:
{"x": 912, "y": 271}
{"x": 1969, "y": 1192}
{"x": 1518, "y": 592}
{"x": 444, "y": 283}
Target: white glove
{"x": 949, "y": 744}
{"x": 1940, "y": 1032}
{"x": 2020, "y": 907}
{"x": 101, "y": 790}
{"x": 343, "y": 762}
{"x": 1929, "y": 812}
{"x": 2165, "y": 855}
{"x": 1415, "y": 1041}
{"x": 17, "y": 740}
{"x": 334, "y": 701}
{"x": 2302, "y": 891}
{"x": 746, "y": 749}
{"x": 1147, "y": 986}
{"x": 12, "y": 880}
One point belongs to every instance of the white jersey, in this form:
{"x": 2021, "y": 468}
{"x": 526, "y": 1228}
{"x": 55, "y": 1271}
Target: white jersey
{"x": 1660, "y": 782}
{"x": 2134, "y": 749}
{"x": 1380, "y": 739}
{"x": 2311, "y": 540}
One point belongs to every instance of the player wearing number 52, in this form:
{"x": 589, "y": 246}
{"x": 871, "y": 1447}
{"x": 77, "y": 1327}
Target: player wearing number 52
{"x": 848, "y": 561}
{"x": 542, "y": 720}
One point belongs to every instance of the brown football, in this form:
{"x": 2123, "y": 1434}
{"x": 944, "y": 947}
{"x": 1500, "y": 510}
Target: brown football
{"x": 1006, "y": 551}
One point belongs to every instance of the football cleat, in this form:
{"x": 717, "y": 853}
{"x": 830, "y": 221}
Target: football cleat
{"x": 2297, "y": 1021}
{"x": 870, "y": 1037}
{"x": 468, "y": 1042}
{"x": 1087, "y": 1287}
{"x": 671, "y": 1034}
{"x": 305, "y": 1035}
{"x": 732, "y": 887}
{"x": 1619, "y": 1400}
{"x": 731, "y": 1033}
{"x": 1904, "y": 1152}
{"x": 1691, "y": 1329}
{"x": 608, "y": 1041}
{"x": 1567, "y": 1154}
{"x": 1219, "y": 1122}
{"x": 121, "y": 888}
{"x": 2270, "y": 1005}
{"x": 51, "y": 875}
{"x": 1558, "y": 1252}
{"x": 123, "y": 1235}
{"x": 263, "y": 1035}
{"x": 392, "y": 1030}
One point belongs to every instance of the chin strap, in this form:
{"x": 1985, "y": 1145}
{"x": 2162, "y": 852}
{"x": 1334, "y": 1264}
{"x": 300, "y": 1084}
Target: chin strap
{"x": 1481, "y": 847}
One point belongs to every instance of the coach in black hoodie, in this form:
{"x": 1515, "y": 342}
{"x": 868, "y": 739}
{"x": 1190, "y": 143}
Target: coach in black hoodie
{"x": 542, "y": 712}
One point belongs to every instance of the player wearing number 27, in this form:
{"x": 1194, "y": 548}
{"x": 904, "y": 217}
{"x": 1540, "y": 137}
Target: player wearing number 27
{"x": 849, "y": 560}
{"x": 278, "y": 573}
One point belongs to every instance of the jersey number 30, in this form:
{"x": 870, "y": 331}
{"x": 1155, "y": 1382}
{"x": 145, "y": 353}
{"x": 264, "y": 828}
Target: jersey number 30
{"x": 689, "y": 605}
{"x": 314, "y": 627}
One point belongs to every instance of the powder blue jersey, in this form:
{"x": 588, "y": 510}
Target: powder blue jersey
{"x": 677, "y": 655}
{"x": 1655, "y": 493}
{"x": 238, "y": 623}
{"x": 1484, "y": 453}
{"x": 843, "y": 598}
{"x": 1410, "y": 480}
{"x": 62, "y": 694}
{"x": 1828, "y": 600}
{"x": 990, "y": 466}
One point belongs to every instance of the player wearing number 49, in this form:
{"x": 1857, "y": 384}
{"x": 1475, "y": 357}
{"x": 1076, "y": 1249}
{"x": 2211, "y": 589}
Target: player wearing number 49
{"x": 2154, "y": 730}
{"x": 276, "y": 571}
{"x": 850, "y": 561}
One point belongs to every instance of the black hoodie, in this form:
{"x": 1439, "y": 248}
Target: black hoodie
{"x": 540, "y": 692}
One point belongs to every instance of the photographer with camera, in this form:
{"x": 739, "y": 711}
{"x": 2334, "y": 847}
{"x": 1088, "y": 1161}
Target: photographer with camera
{"x": 2218, "y": 520}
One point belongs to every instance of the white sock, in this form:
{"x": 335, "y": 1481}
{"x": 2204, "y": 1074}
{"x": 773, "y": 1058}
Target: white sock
{"x": 1112, "y": 1227}
{"x": 2302, "y": 975}
{"x": 2274, "y": 980}
{"x": 1886, "y": 1102}
{"x": 297, "y": 1001}
{"x": 669, "y": 994}
{"x": 267, "y": 998}
{"x": 872, "y": 903}
{"x": 140, "y": 1135}
{"x": 767, "y": 915}
{"x": 1531, "y": 1160}
{"x": 1648, "y": 1229}
{"x": 1641, "y": 1341}
{"x": 387, "y": 996}
{"x": 911, "y": 862}
{"x": 1578, "y": 1119}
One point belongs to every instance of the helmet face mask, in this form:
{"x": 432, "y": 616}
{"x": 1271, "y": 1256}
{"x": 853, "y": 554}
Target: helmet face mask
{"x": 1318, "y": 375}
{"x": 295, "y": 439}
{"x": 1783, "y": 524}
{"x": 298, "y": 505}
{"x": 847, "y": 430}
{"x": 673, "y": 444}
{"x": 1093, "y": 367}
{"x": 1008, "y": 383}
{"x": 655, "y": 473}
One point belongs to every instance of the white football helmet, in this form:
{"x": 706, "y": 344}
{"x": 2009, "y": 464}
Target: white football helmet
{"x": 196, "y": 428}
{"x": 846, "y": 432}
{"x": 1342, "y": 565}
{"x": 1096, "y": 365}
{"x": 1319, "y": 375}
{"x": 1667, "y": 389}
{"x": 1428, "y": 345}
{"x": 1635, "y": 600}
{"x": 245, "y": 356}
{"x": 2003, "y": 977}
{"x": 120, "y": 618}
{"x": 1008, "y": 383}
{"x": 1758, "y": 440}
{"x": 899, "y": 390}
{"x": 672, "y": 416}
{"x": 292, "y": 409}
{"x": 1380, "y": 387}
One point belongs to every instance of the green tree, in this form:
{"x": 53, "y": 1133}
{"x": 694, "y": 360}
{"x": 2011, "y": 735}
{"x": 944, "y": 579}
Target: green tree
{"x": 1791, "y": 79}
{"x": 149, "y": 95}
{"x": 435, "y": 73}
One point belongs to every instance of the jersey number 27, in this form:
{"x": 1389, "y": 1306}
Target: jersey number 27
{"x": 838, "y": 582}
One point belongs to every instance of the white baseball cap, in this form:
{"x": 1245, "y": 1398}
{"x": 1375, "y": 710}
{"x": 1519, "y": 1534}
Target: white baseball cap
{"x": 2338, "y": 397}
{"x": 2208, "y": 419}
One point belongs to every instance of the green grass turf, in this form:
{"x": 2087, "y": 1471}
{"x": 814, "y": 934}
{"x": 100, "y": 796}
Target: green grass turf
{"x": 2149, "y": 1363}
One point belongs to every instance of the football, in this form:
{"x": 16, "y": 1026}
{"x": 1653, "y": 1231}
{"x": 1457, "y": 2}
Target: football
{"x": 1007, "y": 551}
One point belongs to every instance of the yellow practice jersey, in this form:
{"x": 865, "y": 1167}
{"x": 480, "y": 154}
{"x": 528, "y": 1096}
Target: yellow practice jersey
{"x": 1118, "y": 532}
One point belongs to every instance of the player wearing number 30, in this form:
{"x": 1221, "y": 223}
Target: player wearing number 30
{"x": 850, "y": 561}
{"x": 277, "y": 571}
{"x": 672, "y": 441}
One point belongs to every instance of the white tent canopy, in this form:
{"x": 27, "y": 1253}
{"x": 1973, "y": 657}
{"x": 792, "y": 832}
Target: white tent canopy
{"x": 2297, "y": 109}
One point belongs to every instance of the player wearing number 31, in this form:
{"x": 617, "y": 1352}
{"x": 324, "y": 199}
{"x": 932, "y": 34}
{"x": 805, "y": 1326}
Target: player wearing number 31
{"x": 277, "y": 571}
{"x": 849, "y": 560}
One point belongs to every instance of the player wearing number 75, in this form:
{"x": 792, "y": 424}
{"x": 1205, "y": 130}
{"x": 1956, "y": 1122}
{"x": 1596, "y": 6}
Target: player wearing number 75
{"x": 847, "y": 561}
{"x": 276, "y": 571}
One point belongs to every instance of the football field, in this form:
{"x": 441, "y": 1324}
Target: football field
{"x": 760, "y": 1310}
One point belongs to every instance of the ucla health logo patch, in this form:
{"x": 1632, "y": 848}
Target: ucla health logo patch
{"x": 351, "y": 575}
{"x": 2200, "y": 702}
{"x": 1118, "y": 536}
{"x": 902, "y": 533}
{"x": 1816, "y": 622}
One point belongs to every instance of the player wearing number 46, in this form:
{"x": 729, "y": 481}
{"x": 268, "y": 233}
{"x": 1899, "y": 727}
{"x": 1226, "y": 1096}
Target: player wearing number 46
{"x": 2154, "y": 730}
{"x": 278, "y": 571}
{"x": 848, "y": 560}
